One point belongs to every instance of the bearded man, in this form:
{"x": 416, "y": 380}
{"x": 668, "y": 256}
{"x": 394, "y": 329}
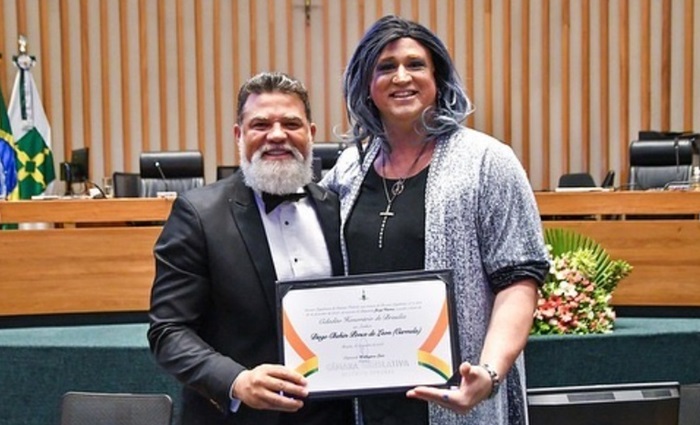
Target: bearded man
{"x": 213, "y": 318}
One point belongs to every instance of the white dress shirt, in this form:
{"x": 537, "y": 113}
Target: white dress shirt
{"x": 296, "y": 243}
{"x": 296, "y": 240}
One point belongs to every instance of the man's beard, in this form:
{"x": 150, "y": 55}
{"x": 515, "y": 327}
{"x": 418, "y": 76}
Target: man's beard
{"x": 277, "y": 177}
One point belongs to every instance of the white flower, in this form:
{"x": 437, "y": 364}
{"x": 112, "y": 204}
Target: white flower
{"x": 561, "y": 274}
{"x": 566, "y": 289}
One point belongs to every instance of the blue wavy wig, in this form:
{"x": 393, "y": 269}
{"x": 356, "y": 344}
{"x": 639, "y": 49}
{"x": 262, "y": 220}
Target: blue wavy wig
{"x": 452, "y": 105}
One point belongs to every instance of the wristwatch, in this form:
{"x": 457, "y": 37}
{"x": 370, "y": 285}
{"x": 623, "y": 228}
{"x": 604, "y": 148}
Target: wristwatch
{"x": 495, "y": 381}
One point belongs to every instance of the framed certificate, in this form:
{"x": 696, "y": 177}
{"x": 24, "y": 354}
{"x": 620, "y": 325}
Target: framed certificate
{"x": 372, "y": 333}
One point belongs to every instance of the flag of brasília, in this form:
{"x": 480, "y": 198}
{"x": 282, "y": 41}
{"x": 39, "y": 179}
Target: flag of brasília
{"x": 7, "y": 152}
{"x": 32, "y": 133}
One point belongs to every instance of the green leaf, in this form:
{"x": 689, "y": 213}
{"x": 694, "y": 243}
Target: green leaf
{"x": 608, "y": 272}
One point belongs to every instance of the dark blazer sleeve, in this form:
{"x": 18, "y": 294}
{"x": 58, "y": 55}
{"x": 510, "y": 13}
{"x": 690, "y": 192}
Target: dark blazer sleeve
{"x": 180, "y": 299}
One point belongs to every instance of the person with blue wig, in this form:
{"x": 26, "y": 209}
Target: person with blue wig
{"x": 419, "y": 191}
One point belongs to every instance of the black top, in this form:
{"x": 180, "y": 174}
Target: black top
{"x": 403, "y": 249}
{"x": 404, "y": 232}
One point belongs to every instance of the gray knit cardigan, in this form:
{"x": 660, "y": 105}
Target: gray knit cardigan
{"x": 481, "y": 216}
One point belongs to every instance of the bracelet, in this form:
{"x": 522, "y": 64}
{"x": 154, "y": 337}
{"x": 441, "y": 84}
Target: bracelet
{"x": 495, "y": 381}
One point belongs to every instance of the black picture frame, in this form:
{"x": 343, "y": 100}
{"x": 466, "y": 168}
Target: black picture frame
{"x": 367, "y": 282}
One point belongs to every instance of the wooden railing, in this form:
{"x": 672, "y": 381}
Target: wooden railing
{"x": 98, "y": 257}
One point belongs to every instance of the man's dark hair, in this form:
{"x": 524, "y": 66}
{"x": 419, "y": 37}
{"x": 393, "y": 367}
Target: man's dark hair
{"x": 269, "y": 82}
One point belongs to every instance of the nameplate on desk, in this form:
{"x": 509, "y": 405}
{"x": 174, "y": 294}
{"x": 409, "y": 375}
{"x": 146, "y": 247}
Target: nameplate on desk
{"x": 583, "y": 189}
{"x": 166, "y": 194}
{"x": 373, "y": 333}
{"x": 680, "y": 187}
{"x": 45, "y": 197}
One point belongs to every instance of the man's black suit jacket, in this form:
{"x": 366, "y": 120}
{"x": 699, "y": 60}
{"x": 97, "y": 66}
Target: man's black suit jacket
{"x": 213, "y": 308}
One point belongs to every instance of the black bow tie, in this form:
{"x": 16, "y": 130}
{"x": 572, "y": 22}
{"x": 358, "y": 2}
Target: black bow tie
{"x": 272, "y": 201}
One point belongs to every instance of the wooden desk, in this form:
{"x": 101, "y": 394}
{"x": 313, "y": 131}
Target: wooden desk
{"x": 98, "y": 263}
{"x": 657, "y": 232}
{"x": 86, "y": 210}
{"x": 616, "y": 203}
{"x": 98, "y": 257}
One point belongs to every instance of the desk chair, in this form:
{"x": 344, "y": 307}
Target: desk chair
{"x": 126, "y": 185}
{"x": 654, "y": 164}
{"x": 576, "y": 180}
{"x": 328, "y": 153}
{"x": 223, "y": 171}
{"x": 84, "y": 408}
{"x": 176, "y": 171}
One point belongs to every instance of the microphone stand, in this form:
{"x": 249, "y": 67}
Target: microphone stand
{"x": 166, "y": 193}
{"x": 102, "y": 195}
{"x": 162, "y": 174}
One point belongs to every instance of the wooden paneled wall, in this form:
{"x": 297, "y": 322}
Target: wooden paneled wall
{"x": 567, "y": 83}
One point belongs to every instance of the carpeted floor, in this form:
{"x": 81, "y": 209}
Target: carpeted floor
{"x": 39, "y": 364}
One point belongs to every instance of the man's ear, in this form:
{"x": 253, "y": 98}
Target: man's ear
{"x": 237, "y": 131}
{"x": 312, "y": 128}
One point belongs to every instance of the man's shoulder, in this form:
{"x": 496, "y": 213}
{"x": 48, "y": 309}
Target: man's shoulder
{"x": 214, "y": 194}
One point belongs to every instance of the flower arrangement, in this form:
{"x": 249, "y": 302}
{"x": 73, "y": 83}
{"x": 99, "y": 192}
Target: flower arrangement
{"x": 577, "y": 290}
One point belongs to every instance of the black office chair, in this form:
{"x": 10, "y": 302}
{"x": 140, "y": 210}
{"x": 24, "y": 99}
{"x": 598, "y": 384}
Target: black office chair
{"x": 328, "y": 153}
{"x": 656, "y": 164}
{"x": 175, "y": 171}
{"x": 576, "y": 180}
{"x": 223, "y": 171}
{"x": 86, "y": 408}
{"x": 126, "y": 185}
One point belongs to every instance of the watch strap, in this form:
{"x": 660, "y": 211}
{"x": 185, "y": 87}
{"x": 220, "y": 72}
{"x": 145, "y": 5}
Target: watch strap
{"x": 495, "y": 380}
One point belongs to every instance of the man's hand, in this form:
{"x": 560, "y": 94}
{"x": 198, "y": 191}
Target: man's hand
{"x": 271, "y": 387}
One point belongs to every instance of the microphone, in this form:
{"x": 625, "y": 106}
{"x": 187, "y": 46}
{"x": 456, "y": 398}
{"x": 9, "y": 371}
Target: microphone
{"x": 160, "y": 171}
{"x": 168, "y": 194}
